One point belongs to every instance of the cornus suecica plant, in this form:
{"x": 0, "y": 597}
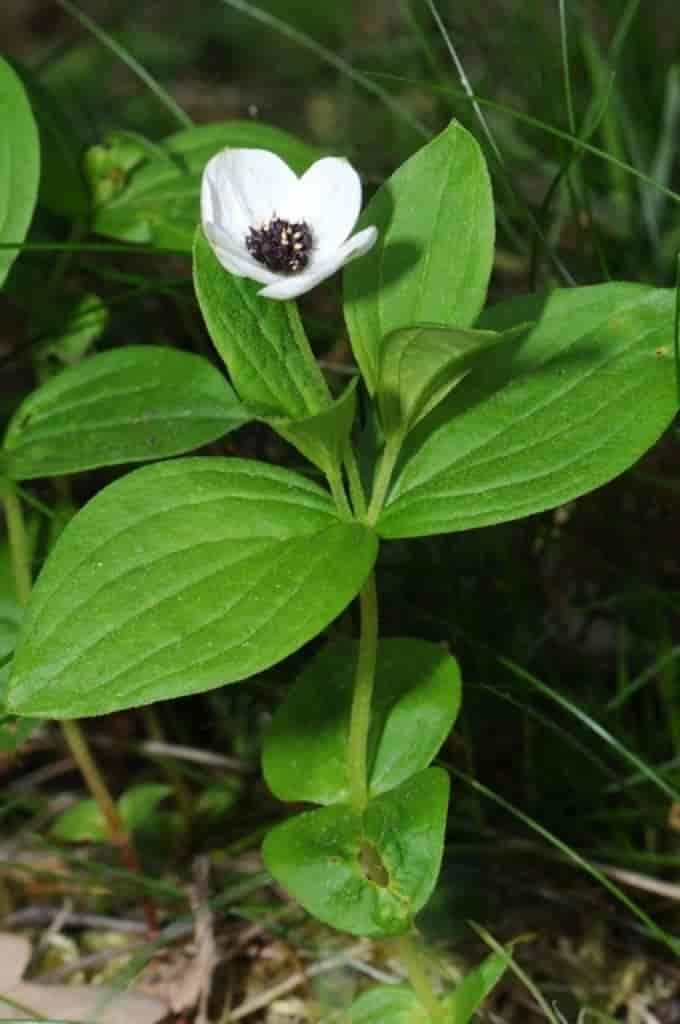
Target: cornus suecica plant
{"x": 195, "y": 573}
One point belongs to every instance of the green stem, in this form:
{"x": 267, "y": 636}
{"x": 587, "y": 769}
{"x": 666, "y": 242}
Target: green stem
{"x": 676, "y": 327}
{"x": 131, "y": 62}
{"x": 420, "y": 983}
{"x": 18, "y": 546}
{"x": 82, "y": 755}
{"x": 316, "y": 377}
{"x": 360, "y": 719}
{"x": 356, "y": 488}
{"x": 118, "y": 834}
{"x": 334, "y": 477}
{"x": 383, "y": 477}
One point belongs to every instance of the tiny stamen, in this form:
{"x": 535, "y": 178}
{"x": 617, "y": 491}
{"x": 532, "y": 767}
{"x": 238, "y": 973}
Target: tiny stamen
{"x": 283, "y": 247}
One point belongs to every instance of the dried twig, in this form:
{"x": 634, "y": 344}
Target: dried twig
{"x": 644, "y": 882}
{"x": 267, "y": 997}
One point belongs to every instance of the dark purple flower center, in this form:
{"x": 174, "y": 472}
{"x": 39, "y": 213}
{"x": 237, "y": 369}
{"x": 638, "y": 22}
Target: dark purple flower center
{"x": 282, "y": 247}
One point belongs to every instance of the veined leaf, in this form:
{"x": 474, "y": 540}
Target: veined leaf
{"x": 127, "y": 405}
{"x": 367, "y": 874}
{"x": 256, "y": 340}
{"x": 19, "y": 164}
{"x": 180, "y": 577}
{"x": 577, "y": 400}
{"x": 420, "y": 365}
{"x": 415, "y": 703}
{"x": 434, "y": 252}
{"x": 323, "y": 437}
{"x": 11, "y": 609}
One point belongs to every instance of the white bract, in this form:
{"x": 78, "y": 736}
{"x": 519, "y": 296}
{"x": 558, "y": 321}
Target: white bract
{"x": 289, "y": 233}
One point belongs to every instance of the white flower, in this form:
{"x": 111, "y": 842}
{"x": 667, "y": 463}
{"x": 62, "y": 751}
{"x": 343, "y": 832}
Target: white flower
{"x": 289, "y": 233}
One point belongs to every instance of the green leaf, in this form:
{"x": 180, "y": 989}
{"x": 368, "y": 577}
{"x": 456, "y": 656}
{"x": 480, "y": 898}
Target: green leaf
{"x": 15, "y": 731}
{"x": 473, "y": 990}
{"x": 10, "y": 622}
{"x": 69, "y": 329}
{"x": 323, "y": 437}
{"x": 420, "y": 365}
{"x": 155, "y": 198}
{"x": 415, "y": 703}
{"x": 321, "y": 857}
{"x": 397, "y": 1004}
{"x": 108, "y": 167}
{"x": 11, "y": 611}
{"x": 434, "y": 252}
{"x": 388, "y": 1004}
{"x": 180, "y": 577}
{"x": 137, "y": 804}
{"x": 547, "y": 418}
{"x": 193, "y": 147}
{"x": 256, "y": 339}
{"x": 19, "y": 164}
{"x": 127, "y": 405}
{"x": 218, "y": 799}
{"x": 83, "y": 822}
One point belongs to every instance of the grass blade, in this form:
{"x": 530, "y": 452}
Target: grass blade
{"x": 547, "y": 129}
{"x": 472, "y": 99}
{"x": 302, "y": 39}
{"x": 131, "y": 62}
{"x": 636, "y": 684}
{"x": 599, "y": 730}
{"x": 573, "y": 856}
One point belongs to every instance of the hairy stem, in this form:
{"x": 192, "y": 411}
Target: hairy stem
{"x": 360, "y": 719}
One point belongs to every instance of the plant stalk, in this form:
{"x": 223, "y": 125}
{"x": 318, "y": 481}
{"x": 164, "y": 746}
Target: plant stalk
{"x": 297, "y": 327}
{"x": 334, "y": 477}
{"x": 383, "y": 477}
{"x": 87, "y": 766}
{"x": 417, "y": 975}
{"x": 364, "y": 680}
{"x": 356, "y": 489}
{"x": 18, "y": 546}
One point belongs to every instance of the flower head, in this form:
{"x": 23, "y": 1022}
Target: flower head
{"x": 288, "y": 233}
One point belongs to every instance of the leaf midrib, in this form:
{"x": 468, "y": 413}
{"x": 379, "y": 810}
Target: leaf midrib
{"x": 541, "y": 407}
